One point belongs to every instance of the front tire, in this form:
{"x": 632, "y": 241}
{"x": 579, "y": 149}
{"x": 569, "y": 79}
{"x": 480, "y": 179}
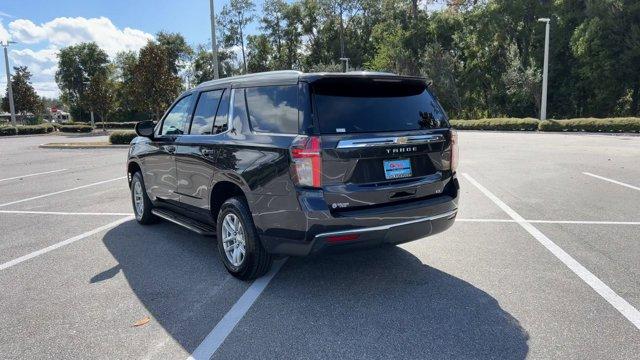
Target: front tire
{"x": 238, "y": 244}
{"x": 141, "y": 203}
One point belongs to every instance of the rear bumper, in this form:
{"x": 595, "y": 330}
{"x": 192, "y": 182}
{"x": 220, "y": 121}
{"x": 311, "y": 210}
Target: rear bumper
{"x": 313, "y": 229}
{"x": 391, "y": 234}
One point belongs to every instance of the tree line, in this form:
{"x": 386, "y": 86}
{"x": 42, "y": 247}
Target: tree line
{"x": 484, "y": 58}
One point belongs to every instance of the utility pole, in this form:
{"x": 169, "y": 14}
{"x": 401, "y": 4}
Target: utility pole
{"x": 9, "y": 87}
{"x": 545, "y": 71}
{"x": 214, "y": 43}
{"x": 346, "y": 60}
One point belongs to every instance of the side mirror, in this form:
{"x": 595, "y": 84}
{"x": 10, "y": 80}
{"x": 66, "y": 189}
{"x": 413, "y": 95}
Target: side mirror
{"x": 145, "y": 128}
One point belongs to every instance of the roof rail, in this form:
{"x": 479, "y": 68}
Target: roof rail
{"x": 265, "y": 74}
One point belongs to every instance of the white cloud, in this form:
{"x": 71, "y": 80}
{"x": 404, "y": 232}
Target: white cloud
{"x": 65, "y": 31}
{"x": 42, "y": 63}
{"x": 61, "y": 32}
{"x": 41, "y": 56}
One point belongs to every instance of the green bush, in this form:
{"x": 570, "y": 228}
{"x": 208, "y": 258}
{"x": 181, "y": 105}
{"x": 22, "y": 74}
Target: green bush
{"x": 34, "y": 129}
{"x": 74, "y": 128}
{"x": 117, "y": 125}
{"x": 26, "y": 129}
{"x": 569, "y": 125}
{"x": 122, "y": 137}
{"x": 8, "y": 131}
{"x": 592, "y": 125}
{"x": 33, "y": 120}
{"x": 504, "y": 124}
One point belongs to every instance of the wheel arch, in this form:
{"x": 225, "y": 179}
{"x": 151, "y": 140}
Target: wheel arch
{"x": 224, "y": 189}
{"x": 132, "y": 168}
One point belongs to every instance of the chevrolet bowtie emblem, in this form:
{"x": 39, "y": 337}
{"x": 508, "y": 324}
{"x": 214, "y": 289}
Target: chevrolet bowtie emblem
{"x": 402, "y": 140}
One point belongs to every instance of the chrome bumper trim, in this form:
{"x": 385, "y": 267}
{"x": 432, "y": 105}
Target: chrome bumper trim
{"x": 387, "y": 227}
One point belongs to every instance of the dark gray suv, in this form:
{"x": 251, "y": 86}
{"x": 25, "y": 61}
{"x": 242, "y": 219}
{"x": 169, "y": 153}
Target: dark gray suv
{"x": 293, "y": 163}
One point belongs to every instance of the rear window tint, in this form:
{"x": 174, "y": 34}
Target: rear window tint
{"x": 273, "y": 109}
{"x": 222, "y": 120}
{"x": 358, "y": 106}
{"x": 239, "y": 116}
{"x": 203, "y": 118}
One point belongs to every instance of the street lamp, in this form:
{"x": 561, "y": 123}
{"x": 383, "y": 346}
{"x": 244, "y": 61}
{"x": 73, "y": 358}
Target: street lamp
{"x": 545, "y": 71}
{"x": 214, "y": 43}
{"x": 93, "y": 123}
{"x": 9, "y": 87}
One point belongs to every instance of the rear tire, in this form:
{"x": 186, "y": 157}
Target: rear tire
{"x": 141, "y": 203}
{"x": 240, "y": 248}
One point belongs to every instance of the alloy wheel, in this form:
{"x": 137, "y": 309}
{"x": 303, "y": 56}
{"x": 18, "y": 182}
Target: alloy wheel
{"x": 233, "y": 239}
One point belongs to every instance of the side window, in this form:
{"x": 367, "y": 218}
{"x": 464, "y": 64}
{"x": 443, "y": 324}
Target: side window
{"x": 175, "y": 120}
{"x": 239, "y": 110}
{"x": 222, "y": 120}
{"x": 273, "y": 109}
{"x": 203, "y": 118}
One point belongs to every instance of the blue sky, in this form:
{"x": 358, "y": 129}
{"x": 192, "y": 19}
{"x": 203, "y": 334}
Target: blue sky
{"x": 42, "y": 27}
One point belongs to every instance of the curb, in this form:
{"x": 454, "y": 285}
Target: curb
{"x": 80, "y": 146}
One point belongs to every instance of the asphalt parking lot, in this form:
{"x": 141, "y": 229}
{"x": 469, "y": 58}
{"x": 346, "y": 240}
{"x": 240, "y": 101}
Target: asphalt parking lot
{"x": 543, "y": 262}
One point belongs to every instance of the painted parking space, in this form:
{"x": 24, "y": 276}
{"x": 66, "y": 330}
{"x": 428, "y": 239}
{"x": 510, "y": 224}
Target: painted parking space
{"x": 486, "y": 288}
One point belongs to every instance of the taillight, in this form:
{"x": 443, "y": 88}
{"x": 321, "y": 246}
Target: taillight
{"x": 455, "y": 153}
{"x": 342, "y": 238}
{"x": 306, "y": 161}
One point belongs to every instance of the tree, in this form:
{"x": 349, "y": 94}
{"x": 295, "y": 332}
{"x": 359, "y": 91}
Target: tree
{"x": 202, "y": 64}
{"x": 101, "y": 94}
{"x": 234, "y": 18}
{"x": 177, "y": 50}
{"x": 259, "y": 52}
{"x": 124, "y": 67}
{"x": 440, "y": 67}
{"x": 25, "y": 98}
{"x": 155, "y": 84}
{"x": 272, "y": 23}
{"x": 283, "y": 25}
{"x": 77, "y": 66}
{"x": 523, "y": 85}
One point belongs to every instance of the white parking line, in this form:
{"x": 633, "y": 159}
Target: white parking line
{"x": 63, "y": 213}
{"x": 61, "y": 191}
{"x": 584, "y": 222}
{"x": 627, "y": 310}
{"x": 577, "y": 222}
{"x": 30, "y": 175}
{"x": 612, "y": 181}
{"x": 216, "y": 337}
{"x": 17, "y": 261}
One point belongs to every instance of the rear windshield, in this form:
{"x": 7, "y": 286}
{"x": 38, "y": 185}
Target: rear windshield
{"x": 375, "y": 105}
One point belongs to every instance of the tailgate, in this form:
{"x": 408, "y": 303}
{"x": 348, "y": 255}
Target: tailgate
{"x": 366, "y": 171}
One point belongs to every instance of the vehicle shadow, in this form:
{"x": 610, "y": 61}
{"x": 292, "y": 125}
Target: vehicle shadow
{"x": 382, "y": 303}
{"x": 175, "y": 274}
{"x": 378, "y": 303}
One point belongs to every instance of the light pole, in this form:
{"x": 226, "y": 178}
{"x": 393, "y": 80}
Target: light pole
{"x": 9, "y": 87}
{"x": 346, "y": 60}
{"x": 93, "y": 123}
{"x": 545, "y": 71}
{"x": 214, "y": 43}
